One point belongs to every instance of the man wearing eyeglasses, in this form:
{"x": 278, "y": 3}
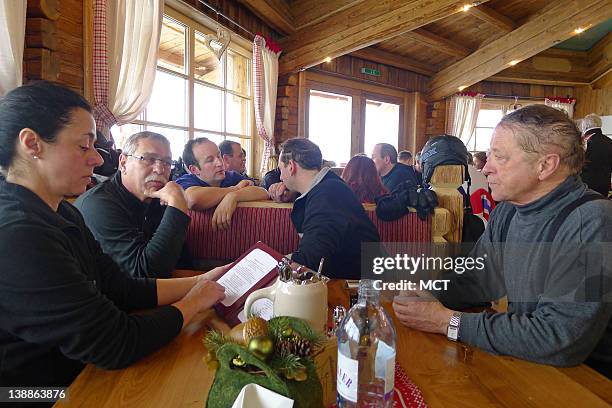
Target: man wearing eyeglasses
{"x": 139, "y": 217}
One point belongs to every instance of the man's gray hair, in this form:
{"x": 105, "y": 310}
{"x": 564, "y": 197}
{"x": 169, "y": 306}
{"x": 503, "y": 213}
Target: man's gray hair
{"x": 540, "y": 129}
{"x": 131, "y": 144}
{"x": 590, "y": 121}
{"x": 387, "y": 149}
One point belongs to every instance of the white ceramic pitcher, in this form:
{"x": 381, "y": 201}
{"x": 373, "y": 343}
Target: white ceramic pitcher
{"x": 308, "y": 302}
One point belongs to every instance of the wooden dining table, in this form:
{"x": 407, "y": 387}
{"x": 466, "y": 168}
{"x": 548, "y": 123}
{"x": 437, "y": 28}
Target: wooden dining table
{"x": 448, "y": 374}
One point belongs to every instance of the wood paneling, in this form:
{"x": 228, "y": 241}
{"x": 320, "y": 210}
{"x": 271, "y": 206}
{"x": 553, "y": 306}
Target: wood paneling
{"x": 350, "y": 68}
{"x": 491, "y": 16}
{"x": 547, "y": 28}
{"x": 308, "y": 12}
{"x": 590, "y": 100}
{"x": 358, "y": 27}
{"x": 239, "y": 13}
{"x": 275, "y": 13}
{"x": 521, "y": 90}
{"x": 394, "y": 60}
{"x": 411, "y": 50}
{"x": 551, "y": 67}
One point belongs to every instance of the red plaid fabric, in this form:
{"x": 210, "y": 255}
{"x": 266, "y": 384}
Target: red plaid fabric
{"x": 103, "y": 116}
{"x": 259, "y": 44}
{"x": 273, "y": 226}
{"x": 406, "y": 394}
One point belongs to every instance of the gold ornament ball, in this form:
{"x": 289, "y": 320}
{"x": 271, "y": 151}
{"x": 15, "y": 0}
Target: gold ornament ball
{"x": 262, "y": 347}
{"x": 238, "y": 361}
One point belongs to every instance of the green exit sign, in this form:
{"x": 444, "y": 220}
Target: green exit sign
{"x": 370, "y": 71}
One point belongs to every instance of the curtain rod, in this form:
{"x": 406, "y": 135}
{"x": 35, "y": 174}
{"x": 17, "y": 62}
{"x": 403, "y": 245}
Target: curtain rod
{"x": 225, "y": 17}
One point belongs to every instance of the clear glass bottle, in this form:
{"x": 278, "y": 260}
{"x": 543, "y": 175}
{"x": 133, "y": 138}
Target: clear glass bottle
{"x": 366, "y": 353}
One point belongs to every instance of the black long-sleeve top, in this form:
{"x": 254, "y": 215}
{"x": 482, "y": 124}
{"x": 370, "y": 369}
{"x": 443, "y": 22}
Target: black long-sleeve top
{"x": 63, "y": 302}
{"x": 146, "y": 239}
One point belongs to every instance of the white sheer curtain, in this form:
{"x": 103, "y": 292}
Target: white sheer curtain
{"x": 131, "y": 41}
{"x": 564, "y": 104}
{"x": 462, "y": 112}
{"x": 265, "y": 82}
{"x": 12, "y": 38}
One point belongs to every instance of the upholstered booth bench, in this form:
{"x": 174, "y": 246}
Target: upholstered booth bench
{"x": 270, "y": 223}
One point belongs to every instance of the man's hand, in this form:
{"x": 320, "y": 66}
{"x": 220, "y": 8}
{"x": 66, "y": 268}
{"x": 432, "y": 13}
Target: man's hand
{"x": 420, "y": 311}
{"x": 222, "y": 217}
{"x": 171, "y": 195}
{"x": 244, "y": 183}
{"x": 279, "y": 193}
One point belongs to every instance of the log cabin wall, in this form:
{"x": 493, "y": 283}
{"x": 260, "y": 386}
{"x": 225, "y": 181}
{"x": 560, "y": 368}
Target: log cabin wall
{"x": 589, "y": 100}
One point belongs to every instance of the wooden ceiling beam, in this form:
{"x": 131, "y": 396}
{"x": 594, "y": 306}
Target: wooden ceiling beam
{"x": 274, "y": 12}
{"x": 309, "y": 12}
{"x": 604, "y": 81}
{"x": 546, "y": 28}
{"x": 600, "y": 57}
{"x": 486, "y": 13}
{"x": 358, "y": 27}
{"x": 394, "y": 60}
{"x": 438, "y": 42}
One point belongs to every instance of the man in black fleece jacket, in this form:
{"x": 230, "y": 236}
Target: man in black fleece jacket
{"x": 547, "y": 271}
{"x": 329, "y": 218}
{"x": 126, "y": 215}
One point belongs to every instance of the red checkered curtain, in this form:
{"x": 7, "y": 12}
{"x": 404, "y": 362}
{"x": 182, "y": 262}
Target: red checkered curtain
{"x": 265, "y": 81}
{"x": 12, "y": 38}
{"x": 126, "y": 42}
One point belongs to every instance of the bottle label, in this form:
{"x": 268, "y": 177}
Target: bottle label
{"x": 347, "y": 377}
{"x": 390, "y": 374}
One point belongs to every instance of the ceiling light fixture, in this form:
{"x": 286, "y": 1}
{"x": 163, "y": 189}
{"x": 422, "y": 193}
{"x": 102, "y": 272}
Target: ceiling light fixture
{"x": 461, "y": 88}
{"x": 327, "y": 60}
{"x": 466, "y": 7}
{"x": 579, "y": 30}
{"x": 513, "y": 62}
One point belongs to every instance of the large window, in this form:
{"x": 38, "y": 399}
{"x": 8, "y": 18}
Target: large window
{"x": 381, "y": 125}
{"x": 329, "y": 125}
{"x": 485, "y": 125}
{"x": 195, "y": 94}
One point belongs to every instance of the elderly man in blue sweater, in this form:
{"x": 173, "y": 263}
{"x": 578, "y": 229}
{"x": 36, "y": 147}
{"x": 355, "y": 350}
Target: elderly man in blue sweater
{"x": 558, "y": 307}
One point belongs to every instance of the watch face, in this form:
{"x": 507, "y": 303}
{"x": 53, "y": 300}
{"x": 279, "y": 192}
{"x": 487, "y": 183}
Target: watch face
{"x": 452, "y": 333}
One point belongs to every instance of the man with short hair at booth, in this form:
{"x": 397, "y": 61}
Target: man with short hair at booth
{"x": 558, "y": 308}
{"x": 390, "y": 171}
{"x": 208, "y": 184}
{"x": 233, "y": 158}
{"x": 139, "y": 217}
{"x": 329, "y": 218}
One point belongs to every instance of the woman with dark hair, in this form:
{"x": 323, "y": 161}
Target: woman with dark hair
{"x": 361, "y": 176}
{"x": 65, "y": 303}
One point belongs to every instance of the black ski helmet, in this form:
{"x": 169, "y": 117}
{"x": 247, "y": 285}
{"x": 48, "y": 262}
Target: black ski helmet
{"x": 443, "y": 149}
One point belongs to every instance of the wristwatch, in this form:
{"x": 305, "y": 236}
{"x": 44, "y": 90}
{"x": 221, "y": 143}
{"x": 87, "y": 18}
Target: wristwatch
{"x": 452, "y": 331}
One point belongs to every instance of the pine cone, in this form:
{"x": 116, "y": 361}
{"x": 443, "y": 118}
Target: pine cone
{"x": 294, "y": 345}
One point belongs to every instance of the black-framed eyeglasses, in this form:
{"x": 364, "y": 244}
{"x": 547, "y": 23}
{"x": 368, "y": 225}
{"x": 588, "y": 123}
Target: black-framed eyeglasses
{"x": 151, "y": 160}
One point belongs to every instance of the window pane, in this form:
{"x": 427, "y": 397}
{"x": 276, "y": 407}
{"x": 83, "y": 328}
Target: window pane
{"x": 381, "y": 125}
{"x": 168, "y": 102}
{"x": 483, "y": 139}
{"x": 206, "y": 65}
{"x": 172, "y": 46}
{"x": 212, "y": 136}
{"x": 246, "y": 145}
{"x": 208, "y": 108}
{"x": 121, "y": 133}
{"x": 488, "y": 117}
{"x": 238, "y": 115}
{"x": 177, "y": 138}
{"x": 237, "y": 73}
{"x": 329, "y": 125}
